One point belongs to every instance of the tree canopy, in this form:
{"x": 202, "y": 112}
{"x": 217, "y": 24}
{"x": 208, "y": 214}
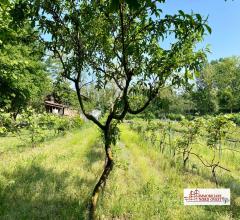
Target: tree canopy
{"x": 23, "y": 77}
{"x": 218, "y": 87}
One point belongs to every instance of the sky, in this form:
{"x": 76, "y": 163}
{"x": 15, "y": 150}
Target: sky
{"x": 224, "y": 19}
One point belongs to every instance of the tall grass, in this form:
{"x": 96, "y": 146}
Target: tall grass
{"x": 55, "y": 181}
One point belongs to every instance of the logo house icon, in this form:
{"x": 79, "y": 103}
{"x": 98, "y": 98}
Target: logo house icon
{"x": 194, "y": 194}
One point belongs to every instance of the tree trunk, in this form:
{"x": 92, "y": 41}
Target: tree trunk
{"x": 214, "y": 175}
{"x": 185, "y": 162}
{"x": 185, "y": 159}
{"x": 101, "y": 182}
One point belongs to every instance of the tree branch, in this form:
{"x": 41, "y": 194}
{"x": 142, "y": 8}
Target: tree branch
{"x": 209, "y": 165}
{"x": 151, "y": 96}
{"x": 111, "y": 76}
{"x": 124, "y": 61}
{"x": 88, "y": 116}
{"x": 63, "y": 64}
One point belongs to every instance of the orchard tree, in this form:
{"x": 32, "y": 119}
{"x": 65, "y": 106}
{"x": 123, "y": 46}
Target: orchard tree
{"x": 120, "y": 44}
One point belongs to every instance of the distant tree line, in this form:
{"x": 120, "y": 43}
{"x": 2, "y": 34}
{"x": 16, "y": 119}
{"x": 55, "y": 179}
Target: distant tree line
{"x": 218, "y": 87}
{"x": 215, "y": 90}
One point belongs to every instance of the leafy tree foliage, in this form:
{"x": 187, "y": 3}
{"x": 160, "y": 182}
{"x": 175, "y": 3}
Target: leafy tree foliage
{"x": 23, "y": 78}
{"x": 227, "y": 83}
{"x": 61, "y": 89}
{"x": 218, "y": 87}
{"x": 204, "y": 97}
{"x": 63, "y": 93}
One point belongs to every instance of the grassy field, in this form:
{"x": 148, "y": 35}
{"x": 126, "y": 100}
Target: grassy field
{"x": 55, "y": 180}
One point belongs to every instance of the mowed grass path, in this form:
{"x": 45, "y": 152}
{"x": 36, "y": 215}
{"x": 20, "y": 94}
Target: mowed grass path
{"x": 52, "y": 181}
{"x": 55, "y": 181}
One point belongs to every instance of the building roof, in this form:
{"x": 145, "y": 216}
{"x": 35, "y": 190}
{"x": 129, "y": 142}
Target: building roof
{"x": 54, "y": 104}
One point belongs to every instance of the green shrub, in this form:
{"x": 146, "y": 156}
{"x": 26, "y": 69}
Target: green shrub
{"x": 33, "y": 128}
{"x": 62, "y": 124}
{"x": 31, "y": 121}
{"x": 175, "y": 117}
{"x": 189, "y": 117}
{"x": 47, "y": 121}
{"x": 7, "y": 124}
{"x": 235, "y": 118}
{"x": 77, "y": 121}
{"x": 3, "y": 131}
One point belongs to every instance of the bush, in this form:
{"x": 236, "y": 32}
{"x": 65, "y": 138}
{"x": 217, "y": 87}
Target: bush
{"x": 189, "y": 117}
{"x": 7, "y": 124}
{"x": 39, "y": 126}
{"x": 62, "y": 124}
{"x": 31, "y": 121}
{"x": 47, "y": 121}
{"x": 3, "y": 131}
{"x": 77, "y": 122}
{"x": 235, "y": 118}
{"x": 175, "y": 117}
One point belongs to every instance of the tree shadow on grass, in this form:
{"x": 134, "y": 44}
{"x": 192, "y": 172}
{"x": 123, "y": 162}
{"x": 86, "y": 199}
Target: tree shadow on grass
{"x": 226, "y": 181}
{"x": 95, "y": 153}
{"x": 34, "y": 192}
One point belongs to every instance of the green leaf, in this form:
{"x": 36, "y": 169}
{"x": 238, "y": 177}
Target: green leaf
{"x": 199, "y": 17}
{"x": 114, "y": 5}
{"x": 130, "y": 49}
{"x": 208, "y": 29}
{"x": 181, "y": 13}
{"x": 133, "y": 4}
